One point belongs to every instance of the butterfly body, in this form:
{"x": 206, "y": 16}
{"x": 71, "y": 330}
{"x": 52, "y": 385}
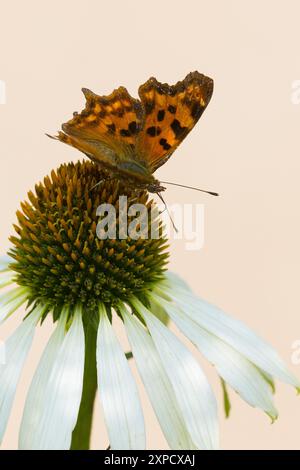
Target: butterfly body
{"x": 132, "y": 138}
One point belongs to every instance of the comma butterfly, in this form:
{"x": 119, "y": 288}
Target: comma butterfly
{"x": 132, "y": 138}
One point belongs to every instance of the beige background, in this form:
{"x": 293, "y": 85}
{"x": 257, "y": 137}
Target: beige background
{"x": 246, "y": 146}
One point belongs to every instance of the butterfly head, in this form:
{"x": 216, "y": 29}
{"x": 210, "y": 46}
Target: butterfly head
{"x": 155, "y": 187}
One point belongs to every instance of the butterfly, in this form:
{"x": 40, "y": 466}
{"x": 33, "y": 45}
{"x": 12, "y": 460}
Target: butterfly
{"x": 131, "y": 138}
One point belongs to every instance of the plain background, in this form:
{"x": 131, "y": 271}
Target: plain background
{"x": 246, "y": 146}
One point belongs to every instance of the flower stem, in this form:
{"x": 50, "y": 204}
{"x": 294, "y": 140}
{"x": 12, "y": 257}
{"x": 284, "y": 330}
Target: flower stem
{"x": 82, "y": 431}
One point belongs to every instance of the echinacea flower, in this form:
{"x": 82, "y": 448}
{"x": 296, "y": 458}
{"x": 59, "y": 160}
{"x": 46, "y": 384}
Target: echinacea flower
{"x": 59, "y": 267}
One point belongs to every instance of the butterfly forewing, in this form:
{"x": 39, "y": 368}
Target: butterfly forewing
{"x": 107, "y": 127}
{"x": 170, "y": 114}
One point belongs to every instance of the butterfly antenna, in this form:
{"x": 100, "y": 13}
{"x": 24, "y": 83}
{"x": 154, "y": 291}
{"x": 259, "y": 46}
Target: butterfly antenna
{"x": 191, "y": 187}
{"x": 166, "y": 208}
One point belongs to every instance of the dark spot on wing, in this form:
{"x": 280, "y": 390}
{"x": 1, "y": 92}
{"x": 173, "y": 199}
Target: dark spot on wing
{"x": 164, "y": 144}
{"x": 179, "y": 131}
{"x": 111, "y": 128}
{"x": 161, "y": 115}
{"x": 172, "y": 109}
{"x": 196, "y": 110}
{"x": 125, "y": 133}
{"x": 149, "y": 106}
{"x": 133, "y": 127}
{"x": 153, "y": 131}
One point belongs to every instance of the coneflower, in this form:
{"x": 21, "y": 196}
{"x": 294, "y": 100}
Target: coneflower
{"x": 59, "y": 267}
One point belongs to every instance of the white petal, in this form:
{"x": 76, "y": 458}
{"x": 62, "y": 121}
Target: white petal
{"x": 234, "y": 333}
{"x": 118, "y": 391}
{"x": 64, "y": 389}
{"x": 159, "y": 312}
{"x": 235, "y": 369}
{"x": 193, "y": 392}
{"x": 16, "y": 350}
{"x": 10, "y": 295}
{"x": 35, "y": 402}
{"x": 157, "y": 384}
{"x": 6, "y": 278}
{"x": 4, "y": 263}
{"x": 11, "y": 301}
{"x": 269, "y": 379}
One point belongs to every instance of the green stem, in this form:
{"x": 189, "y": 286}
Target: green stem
{"x": 82, "y": 431}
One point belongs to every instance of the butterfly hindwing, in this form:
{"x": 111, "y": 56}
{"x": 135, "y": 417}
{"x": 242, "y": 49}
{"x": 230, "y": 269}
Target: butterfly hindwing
{"x": 170, "y": 114}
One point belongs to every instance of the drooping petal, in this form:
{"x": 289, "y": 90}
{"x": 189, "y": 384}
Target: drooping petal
{"x": 118, "y": 391}
{"x": 35, "y": 402}
{"x": 62, "y": 397}
{"x": 11, "y": 301}
{"x": 193, "y": 392}
{"x": 232, "y": 332}
{"x": 157, "y": 384}
{"x": 16, "y": 350}
{"x": 233, "y": 367}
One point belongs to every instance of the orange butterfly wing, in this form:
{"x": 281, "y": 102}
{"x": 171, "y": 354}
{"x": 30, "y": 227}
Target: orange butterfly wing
{"x": 132, "y": 137}
{"x": 107, "y": 128}
{"x": 170, "y": 114}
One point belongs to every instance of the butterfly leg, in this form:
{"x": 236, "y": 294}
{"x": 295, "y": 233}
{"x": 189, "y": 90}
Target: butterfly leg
{"x": 166, "y": 209}
{"x": 97, "y": 184}
{"x": 161, "y": 212}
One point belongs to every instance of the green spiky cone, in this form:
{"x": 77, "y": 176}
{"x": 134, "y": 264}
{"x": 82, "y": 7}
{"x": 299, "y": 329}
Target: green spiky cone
{"x": 58, "y": 255}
